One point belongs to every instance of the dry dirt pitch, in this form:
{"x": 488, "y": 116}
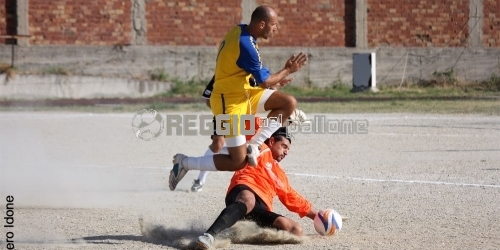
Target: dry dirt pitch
{"x": 82, "y": 181}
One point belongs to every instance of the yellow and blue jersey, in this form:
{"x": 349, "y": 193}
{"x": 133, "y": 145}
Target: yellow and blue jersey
{"x": 238, "y": 59}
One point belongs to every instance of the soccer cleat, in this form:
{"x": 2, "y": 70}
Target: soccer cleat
{"x": 177, "y": 173}
{"x": 197, "y": 186}
{"x": 205, "y": 241}
{"x": 253, "y": 153}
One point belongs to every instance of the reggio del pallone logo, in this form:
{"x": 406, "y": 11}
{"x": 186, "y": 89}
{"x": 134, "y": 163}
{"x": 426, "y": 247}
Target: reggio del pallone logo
{"x": 147, "y": 124}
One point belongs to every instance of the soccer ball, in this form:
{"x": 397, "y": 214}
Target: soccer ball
{"x": 147, "y": 124}
{"x": 327, "y": 222}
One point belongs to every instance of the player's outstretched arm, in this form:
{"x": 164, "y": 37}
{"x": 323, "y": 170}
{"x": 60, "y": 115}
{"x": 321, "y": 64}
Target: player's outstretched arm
{"x": 312, "y": 213}
{"x": 294, "y": 64}
{"x": 291, "y": 199}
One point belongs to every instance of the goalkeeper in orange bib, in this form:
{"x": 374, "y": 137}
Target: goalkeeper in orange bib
{"x": 252, "y": 190}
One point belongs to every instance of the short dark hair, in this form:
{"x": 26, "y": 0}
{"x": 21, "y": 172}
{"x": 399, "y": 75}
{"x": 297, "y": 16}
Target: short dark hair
{"x": 280, "y": 135}
{"x": 261, "y": 13}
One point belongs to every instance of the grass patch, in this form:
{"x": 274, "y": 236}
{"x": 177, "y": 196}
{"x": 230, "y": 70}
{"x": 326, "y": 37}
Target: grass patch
{"x": 490, "y": 84}
{"x": 486, "y": 107}
{"x": 179, "y": 107}
{"x": 482, "y": 89}
{"x": 442, "y": 84}
{"x": 110, "y": 108}
{"x": 56, "y": 70}
{"x": 339, "y": 90}
{"x": 423, "y": 97}
{"x": 191, "y": 88}
{"x": 158, "y": 75}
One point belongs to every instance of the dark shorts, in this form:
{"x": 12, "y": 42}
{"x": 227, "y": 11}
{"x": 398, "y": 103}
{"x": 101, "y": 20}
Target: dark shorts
{"x": 259, "y": 214}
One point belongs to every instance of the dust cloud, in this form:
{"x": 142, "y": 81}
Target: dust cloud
{"x": 41, "y": 167}
{"x": 243, "y": 232}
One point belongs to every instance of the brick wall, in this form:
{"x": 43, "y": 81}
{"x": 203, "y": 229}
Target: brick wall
{"x": 3, "y": 20}
{"x": 491, "y": 26}
{"x": 187, "y": 22}
{"x": 418, "y": 23}
{"x": 8, "y": 25}
{"x": 99, "y": 22}
{"x": 307, "y": 23}
{"x": 206, "y": 22}
{"x": 313, "y": 23}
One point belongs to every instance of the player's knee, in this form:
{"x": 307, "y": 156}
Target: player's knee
{"x": 240, "y": 166}
{"x": 213, "y": 147}
{"x": 289, "y": 103}
{"x": 292, "y": 102}
{"x": 216, "y": 148}
{"x": 220, "y": 145}
{"x": 248, "y": 198}
{"x": 297, "y": 230}
{"x": 238, "y": 161}
{"x": 217, "y": 143}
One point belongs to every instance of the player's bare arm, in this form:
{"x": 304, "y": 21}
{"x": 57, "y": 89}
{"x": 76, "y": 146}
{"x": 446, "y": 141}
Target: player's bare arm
{"x": 294, "y": 64}
{"x": 312, "y": 213}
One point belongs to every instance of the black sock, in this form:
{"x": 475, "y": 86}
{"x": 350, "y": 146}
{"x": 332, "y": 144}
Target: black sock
{"x": 228, "y": 217}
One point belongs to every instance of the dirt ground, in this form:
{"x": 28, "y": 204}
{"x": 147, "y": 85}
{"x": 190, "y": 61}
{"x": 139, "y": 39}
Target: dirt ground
{"x": 84, "y": 181}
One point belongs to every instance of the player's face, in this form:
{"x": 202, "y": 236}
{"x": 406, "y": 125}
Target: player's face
{"x": 270, "y": 27}
{"x": 279, "y": 149}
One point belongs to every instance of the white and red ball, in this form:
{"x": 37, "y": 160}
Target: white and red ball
{"x": 327, "y": 222}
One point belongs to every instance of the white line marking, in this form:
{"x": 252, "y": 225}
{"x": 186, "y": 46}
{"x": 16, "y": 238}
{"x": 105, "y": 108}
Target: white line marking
{"x": 398, "y": 181}
{"x": 426, "y": 135}
{"x": 313, "y": 175}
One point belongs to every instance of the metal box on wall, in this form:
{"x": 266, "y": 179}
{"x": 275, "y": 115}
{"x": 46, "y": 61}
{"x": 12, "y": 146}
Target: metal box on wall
{"x": 364, "y": 72}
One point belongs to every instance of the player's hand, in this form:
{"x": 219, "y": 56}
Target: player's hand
{"x": 284, "y": 82}
{"x": 296, "y": 62}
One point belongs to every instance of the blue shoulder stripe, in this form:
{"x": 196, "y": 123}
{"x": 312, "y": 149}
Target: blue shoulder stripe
{"x": 249, "y": 59}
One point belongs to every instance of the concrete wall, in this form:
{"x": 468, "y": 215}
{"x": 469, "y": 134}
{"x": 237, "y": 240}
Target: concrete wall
{"x": 128, "y": 39}
{"x": 28, "y": 87}
{"x": 326, "y": 65}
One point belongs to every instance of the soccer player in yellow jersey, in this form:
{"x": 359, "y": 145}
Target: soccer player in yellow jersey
{"x": 297, "y": 117}
{"x": 238, "y": 60}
